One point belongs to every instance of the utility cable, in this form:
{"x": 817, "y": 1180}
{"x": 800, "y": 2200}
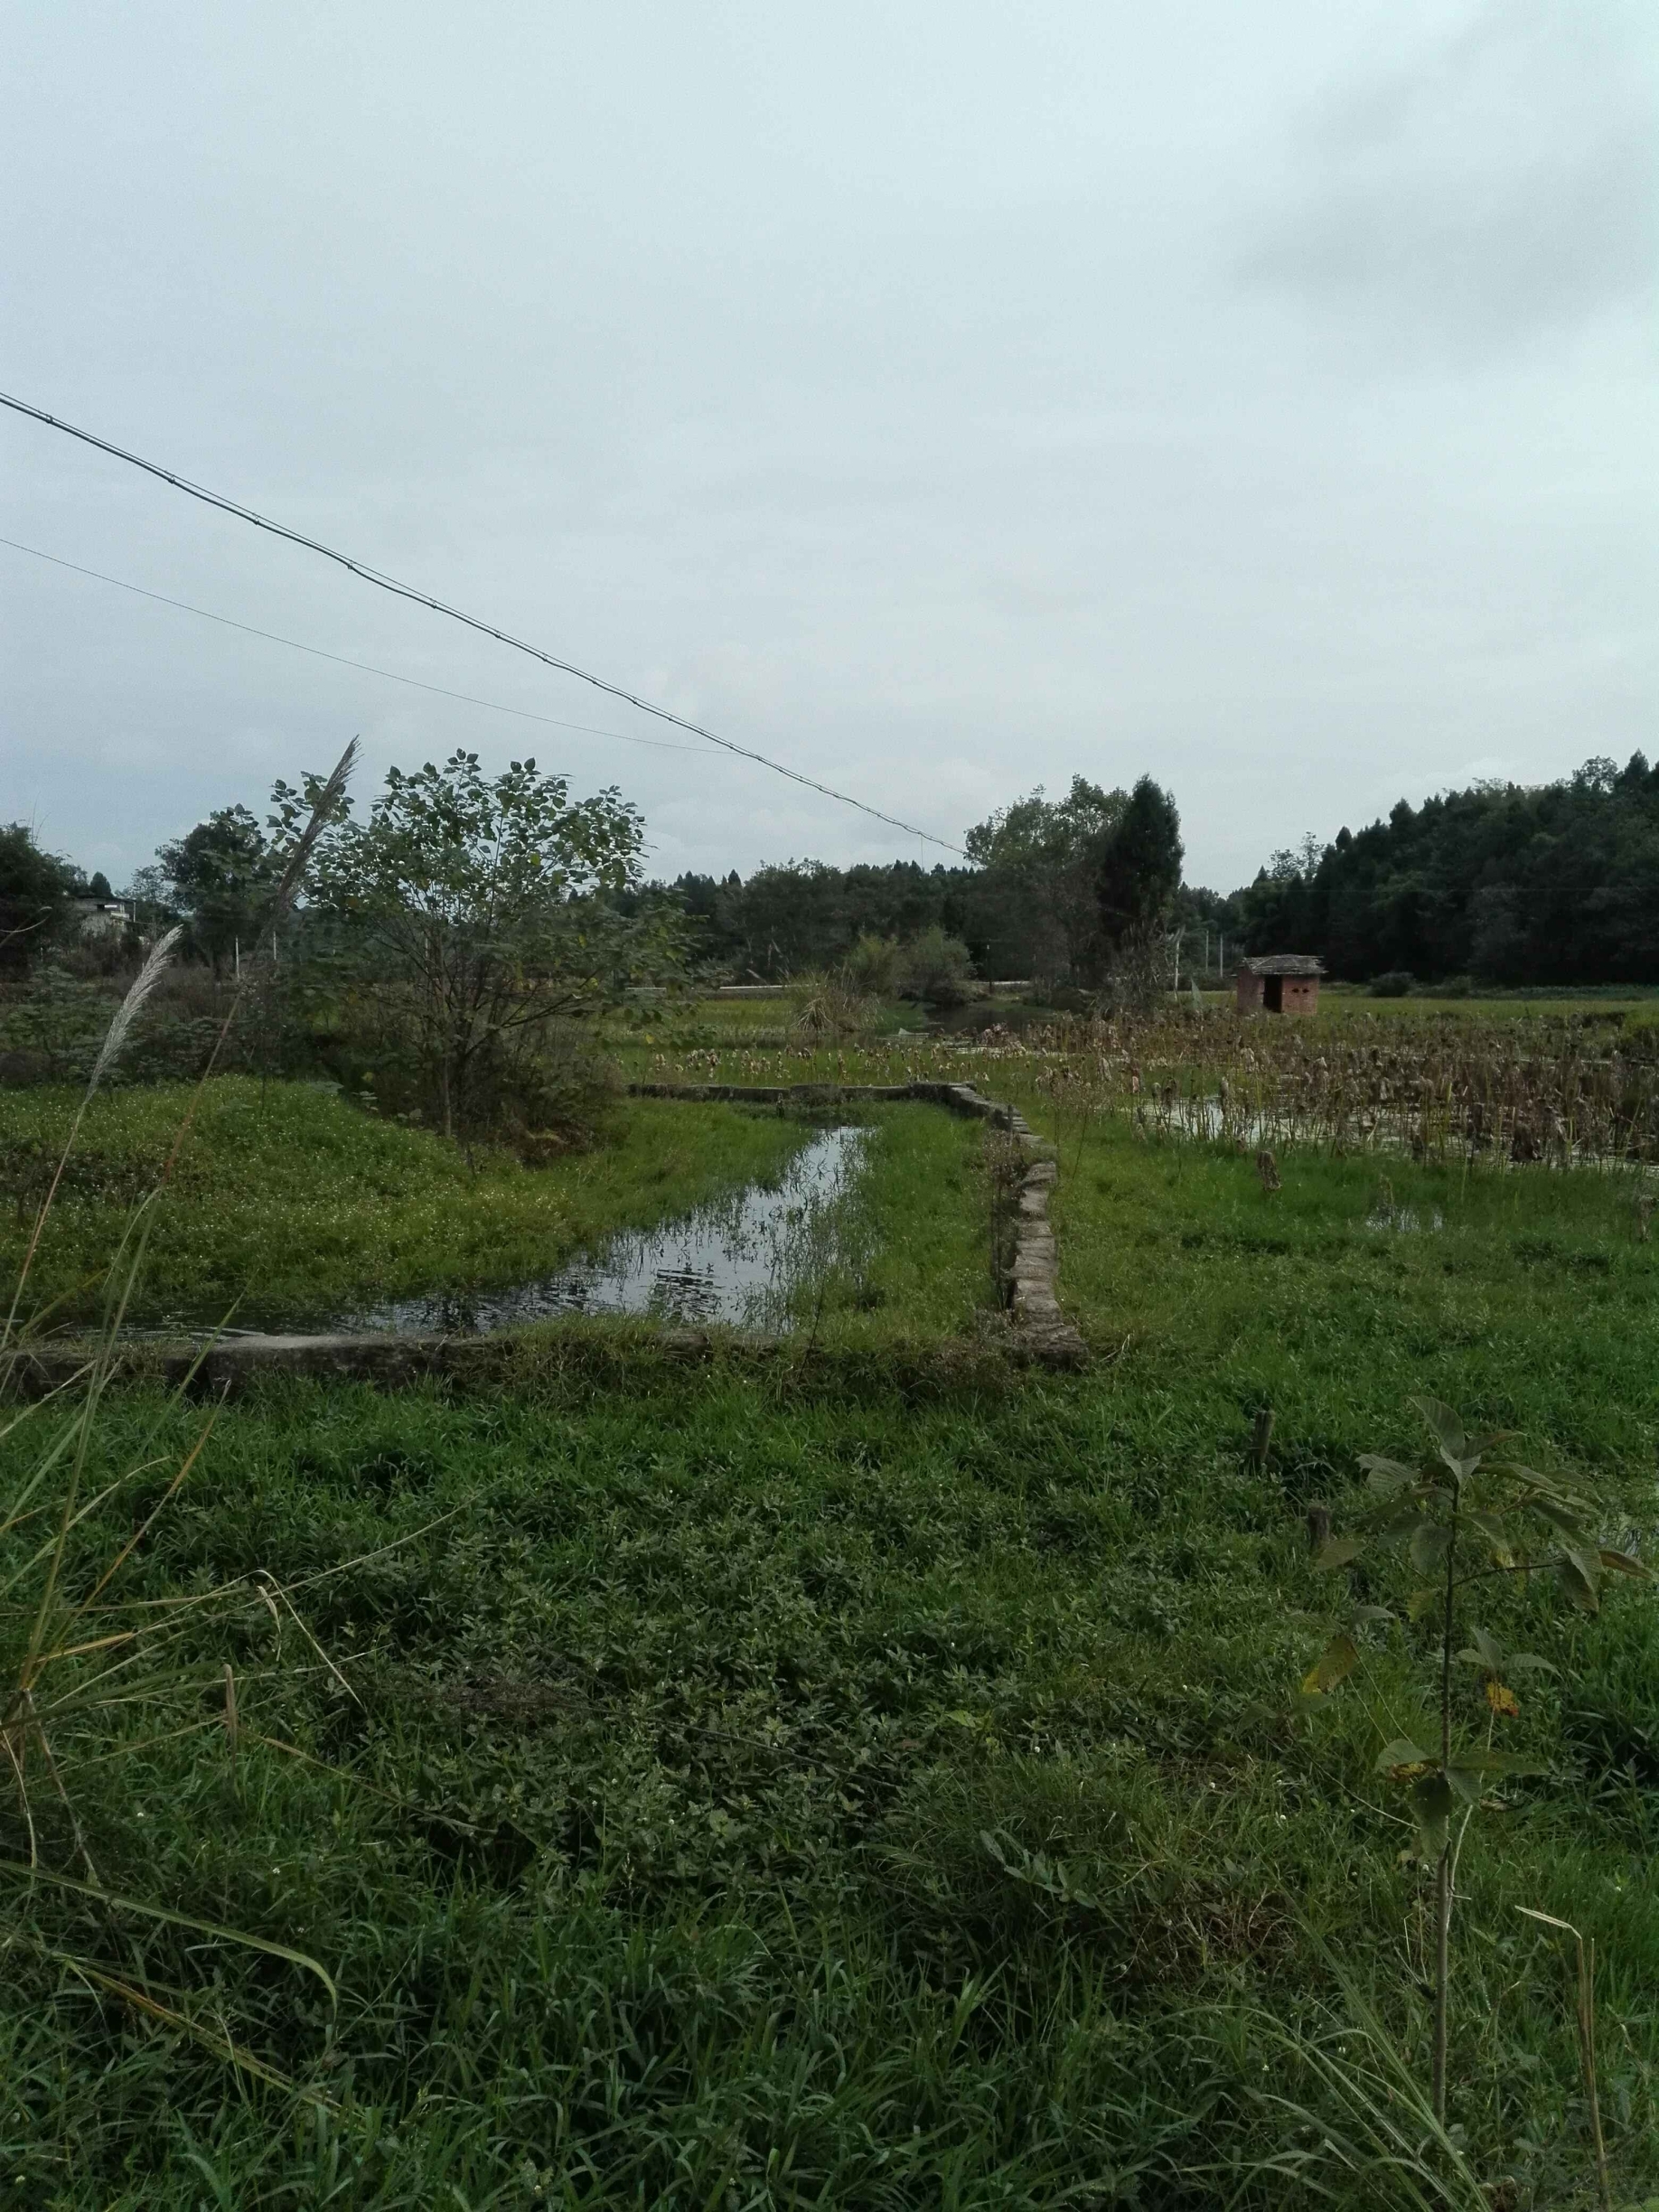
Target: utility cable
{"x": 472, "y": 622}
{"x": 662, "y": 744}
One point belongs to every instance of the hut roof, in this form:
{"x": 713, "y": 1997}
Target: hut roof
{"x": 1284, "y": 964}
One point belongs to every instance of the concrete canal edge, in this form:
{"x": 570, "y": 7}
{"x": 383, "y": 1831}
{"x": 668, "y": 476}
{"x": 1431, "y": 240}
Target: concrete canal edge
{"x": 1038, "y": 1332}
{"x": 1030, "y": 1268}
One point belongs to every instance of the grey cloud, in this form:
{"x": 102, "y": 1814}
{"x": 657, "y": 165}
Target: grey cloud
{"x": 877, "y": 384}
{"x": 1501, "y": 188}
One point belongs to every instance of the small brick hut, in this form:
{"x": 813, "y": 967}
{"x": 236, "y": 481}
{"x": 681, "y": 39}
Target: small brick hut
{"x": 1280, "y": 983}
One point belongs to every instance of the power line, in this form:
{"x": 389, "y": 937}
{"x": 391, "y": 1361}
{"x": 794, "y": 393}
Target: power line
{"x": 661, "y": 744}
{"x": 472, "y": 622}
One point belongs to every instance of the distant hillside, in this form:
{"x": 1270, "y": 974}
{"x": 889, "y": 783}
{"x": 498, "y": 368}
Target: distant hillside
{"x": 1554, "y": 884}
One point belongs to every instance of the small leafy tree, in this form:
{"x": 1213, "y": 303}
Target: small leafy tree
{"x": 936, "y": 966}
{"x": 35, "y": 890}
{"x": 873, "y": 965}
{"x": 1040, "y": 860}
{"x": 222, "y": 874}
{"x": 480, "y": 910}
{"x": 1467, "y": 1519}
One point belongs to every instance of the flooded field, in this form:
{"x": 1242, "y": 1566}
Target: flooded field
{"x": 746, "y": 1260}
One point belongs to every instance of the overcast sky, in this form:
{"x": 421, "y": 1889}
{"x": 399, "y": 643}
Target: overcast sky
{"x": 946, "y": 398}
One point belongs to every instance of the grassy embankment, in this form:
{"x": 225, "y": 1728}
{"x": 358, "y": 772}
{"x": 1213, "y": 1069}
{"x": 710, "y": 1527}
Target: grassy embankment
{"x": 762, "y": 1791}
{"x": 286, "y": 1203}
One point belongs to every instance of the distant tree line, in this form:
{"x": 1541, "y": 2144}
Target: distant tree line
{"x": 1055, "y": 890}
{"x": 1062, "y": 891}
{"x": 1505, "y": 884}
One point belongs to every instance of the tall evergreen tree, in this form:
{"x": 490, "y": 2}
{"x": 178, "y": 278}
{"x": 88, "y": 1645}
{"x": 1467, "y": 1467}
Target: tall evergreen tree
{"x": 1140, "y": 869}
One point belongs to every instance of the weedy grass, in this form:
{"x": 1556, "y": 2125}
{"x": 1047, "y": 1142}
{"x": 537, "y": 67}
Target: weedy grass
{"x": 1528, "y": 1293}
{"x": 737, "y": 1788}
{"x": 288, "y": 1204}
{"x": 826, "y": 1798}
{"x": 770, "y": 1783}
{"x": 702, "y": 1022}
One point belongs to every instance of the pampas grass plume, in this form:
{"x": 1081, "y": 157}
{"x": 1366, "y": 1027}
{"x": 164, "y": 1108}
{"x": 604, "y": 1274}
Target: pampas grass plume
{"x": 322, "y": 814}
{"x": 128, "y": 1012}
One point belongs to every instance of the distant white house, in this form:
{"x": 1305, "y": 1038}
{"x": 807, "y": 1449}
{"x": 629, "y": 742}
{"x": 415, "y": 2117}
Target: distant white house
{"x": 100, "y": 917}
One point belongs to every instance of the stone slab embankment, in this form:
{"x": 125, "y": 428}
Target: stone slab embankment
{"x": 1030, "y": 1267}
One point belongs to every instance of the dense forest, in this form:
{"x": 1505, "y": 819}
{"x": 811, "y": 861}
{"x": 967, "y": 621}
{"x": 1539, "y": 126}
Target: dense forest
{"x": 1506, "y": 883}
{"x": 1052, "y": 887}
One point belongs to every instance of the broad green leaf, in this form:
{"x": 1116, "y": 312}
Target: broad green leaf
{"x": 1334, "y": 1663}
{"x": 1384, "y": 1477}
{"x": 1423, "y": 1601}
{"x": 1431, "y": 1808}
{"x": 1430, "y": 1544}
{"x": 1479, "y": 1760}
{"x": 1467, "y": 1782}
{"x": 1447, "y": 1430}
{"x": 1336, "y": 1552}
{"x": 1374, "y": 1616}
{"x": 1488, "y": 1651}
{"x": 1492, "y": 1528}
{"x": 1398, "y": 1520}
{"x": 1567, "y": 1519}
{"x": 1580, "y": 1572}
{"x": 1400, "y": 1757}
{"x": 1480, "y": 1447}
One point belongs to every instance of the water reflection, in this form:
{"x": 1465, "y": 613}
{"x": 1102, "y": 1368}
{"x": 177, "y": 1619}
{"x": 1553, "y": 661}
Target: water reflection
{"x": 744, "y": 1260}
{"x": 1404, "y": 1220}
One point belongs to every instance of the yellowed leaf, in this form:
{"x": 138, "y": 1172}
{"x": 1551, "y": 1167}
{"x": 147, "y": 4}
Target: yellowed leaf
{"x": 1334, "y": 1663}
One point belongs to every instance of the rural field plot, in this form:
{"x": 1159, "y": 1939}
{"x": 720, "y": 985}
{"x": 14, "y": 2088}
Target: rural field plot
{"x": 781, "y": 1779}
{"x": 286, "y": 1207}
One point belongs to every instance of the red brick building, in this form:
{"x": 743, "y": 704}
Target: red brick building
{"x": 1280, "y": 983}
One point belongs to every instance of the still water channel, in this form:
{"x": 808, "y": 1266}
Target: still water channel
{"x": 746, "y": 1260}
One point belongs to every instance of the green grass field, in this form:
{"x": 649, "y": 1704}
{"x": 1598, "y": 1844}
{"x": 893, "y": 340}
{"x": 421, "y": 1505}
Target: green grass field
{"x": 830, "y": 1780}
